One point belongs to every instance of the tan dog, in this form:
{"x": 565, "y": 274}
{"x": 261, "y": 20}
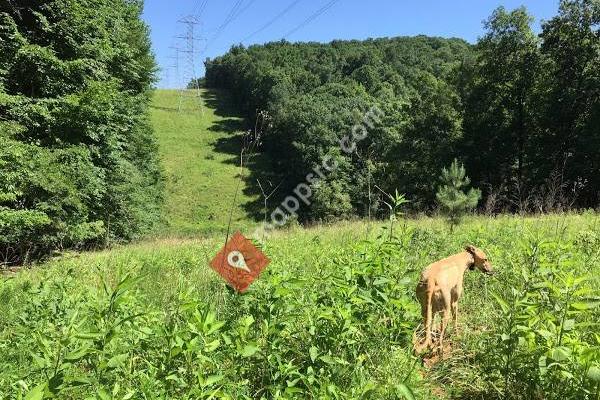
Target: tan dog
{"x": 441, "y": 286}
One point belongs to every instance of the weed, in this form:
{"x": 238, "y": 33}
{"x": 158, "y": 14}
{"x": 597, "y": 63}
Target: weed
{"x": 332, "y": 317}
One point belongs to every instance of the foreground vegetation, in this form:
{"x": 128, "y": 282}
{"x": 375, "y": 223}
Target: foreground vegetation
{"x": 332, "y": 317}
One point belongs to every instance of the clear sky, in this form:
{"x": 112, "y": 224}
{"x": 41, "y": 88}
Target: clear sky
{"x": 300, "y": 20}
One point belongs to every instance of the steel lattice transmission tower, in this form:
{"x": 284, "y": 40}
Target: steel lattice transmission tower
{"x": 189, "y": 51}
{"x": 175, "y": 65}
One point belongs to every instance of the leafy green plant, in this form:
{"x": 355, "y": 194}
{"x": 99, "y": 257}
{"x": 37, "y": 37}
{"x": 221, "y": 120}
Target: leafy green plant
{"x": 542, "y": 349}
{"x": 332, "y": 317}
{"x": 394, "y": 204}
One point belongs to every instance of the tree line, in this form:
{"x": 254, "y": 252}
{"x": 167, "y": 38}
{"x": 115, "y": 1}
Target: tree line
{"x": 78, "y": 158}
{"x": 521, "y": 110}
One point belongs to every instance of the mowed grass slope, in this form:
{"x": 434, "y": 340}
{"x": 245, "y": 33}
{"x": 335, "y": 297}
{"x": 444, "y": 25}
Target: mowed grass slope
{"x": 199, "y": 148}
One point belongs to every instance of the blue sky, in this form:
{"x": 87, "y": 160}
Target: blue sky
{"x": 344, "y": 19}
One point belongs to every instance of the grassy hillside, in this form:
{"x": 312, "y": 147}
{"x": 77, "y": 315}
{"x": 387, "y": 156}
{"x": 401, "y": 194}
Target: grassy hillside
{"x": 199, "y": 148}
{"x": 333, "y": 315}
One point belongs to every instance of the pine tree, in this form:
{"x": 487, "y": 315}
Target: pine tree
{"x": 451, "y": 196}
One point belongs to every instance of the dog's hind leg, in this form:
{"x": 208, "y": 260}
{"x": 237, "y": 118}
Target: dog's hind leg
{"x": 429, "y": 318}
{"x": 445, "y": 317}
{"x": 455, "y": 315}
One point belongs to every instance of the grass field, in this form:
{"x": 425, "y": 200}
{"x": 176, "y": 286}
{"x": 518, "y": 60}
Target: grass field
{"x": 333, "y": 316}
{"x": 199, "y": 148}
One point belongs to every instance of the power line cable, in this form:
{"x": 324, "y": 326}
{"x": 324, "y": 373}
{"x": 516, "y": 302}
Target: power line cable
{"x": 200, "y": 6}
{"x": 234, "y": 13}
{"x": 314, "y": 16}
{"x": 226, "y": 22}
{"x": 273, "y": 20}
{"x": 243, "y": 10}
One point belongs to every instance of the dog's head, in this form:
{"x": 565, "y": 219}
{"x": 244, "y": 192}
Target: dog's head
{"x": 480, "y": 260}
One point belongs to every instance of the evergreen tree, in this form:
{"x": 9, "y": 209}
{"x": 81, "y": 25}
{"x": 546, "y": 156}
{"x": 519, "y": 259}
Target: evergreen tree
{"x": 451, "y": 196}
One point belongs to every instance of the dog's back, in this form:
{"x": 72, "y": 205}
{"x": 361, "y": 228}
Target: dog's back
{"x": 445, "y": 270}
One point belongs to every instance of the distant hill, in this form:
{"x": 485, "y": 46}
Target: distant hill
{"x": 315, "y": 93}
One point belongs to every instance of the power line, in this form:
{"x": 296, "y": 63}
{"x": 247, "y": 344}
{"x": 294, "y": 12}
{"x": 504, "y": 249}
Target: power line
{"x": 314, "y": 16}
{"x": 200, "y": 6}
{"x": 273, "y": 20}
{"x": 221, "y": 27}
{"x": 175, "y": 64}
{"x": 243, "y": 10}
{"x": 232, "y": 15}
{"x": 228, "y": 18}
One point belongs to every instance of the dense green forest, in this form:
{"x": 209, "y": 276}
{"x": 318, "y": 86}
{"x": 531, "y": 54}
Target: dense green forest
{"x": 520, "y": 110}
{"x": 78, "y": 159}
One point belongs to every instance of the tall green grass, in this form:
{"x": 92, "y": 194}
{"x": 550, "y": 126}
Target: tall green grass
{"x": 331, "y": 317}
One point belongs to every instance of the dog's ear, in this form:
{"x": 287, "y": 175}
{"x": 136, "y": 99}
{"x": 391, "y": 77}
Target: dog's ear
{"x": 470, "y": 248}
